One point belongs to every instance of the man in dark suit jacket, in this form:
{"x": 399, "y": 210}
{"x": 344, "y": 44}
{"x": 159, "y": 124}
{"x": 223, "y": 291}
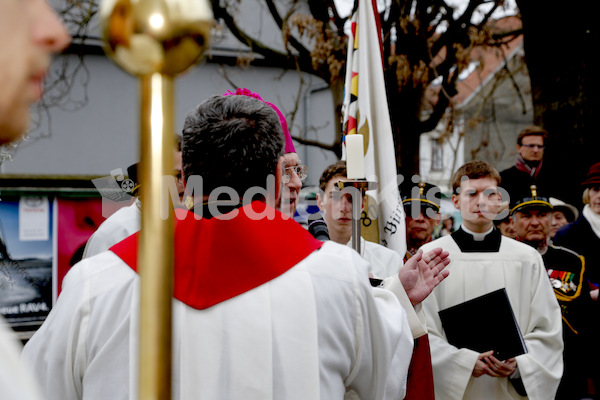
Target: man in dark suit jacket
{"x": 528, "y": 169}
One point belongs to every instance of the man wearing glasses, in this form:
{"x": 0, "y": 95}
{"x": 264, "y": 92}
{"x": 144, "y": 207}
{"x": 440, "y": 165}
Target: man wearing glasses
{"x": 528, "y": 169}
{"x": 295, "y": 174}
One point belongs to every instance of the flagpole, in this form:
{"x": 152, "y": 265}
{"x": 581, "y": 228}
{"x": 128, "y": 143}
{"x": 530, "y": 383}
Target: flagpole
{"x": 156, "y": 40}
{"x": 366, "y": 112}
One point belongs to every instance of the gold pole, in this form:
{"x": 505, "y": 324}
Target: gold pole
{"x": 155, "y": 256}
{"x": 155, "y": 40}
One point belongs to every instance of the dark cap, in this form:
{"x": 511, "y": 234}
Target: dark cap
{"x": 593, "y": 176}
{"x": 420, "y": 195}
{"x": 132, "y": 173}
{"x": 530, "y": 199}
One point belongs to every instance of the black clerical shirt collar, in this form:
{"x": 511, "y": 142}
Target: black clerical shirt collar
{"x": 467, "y": 243}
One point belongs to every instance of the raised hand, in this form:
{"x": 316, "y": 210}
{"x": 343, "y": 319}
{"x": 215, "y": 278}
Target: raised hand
{"x": 422, "y": 273}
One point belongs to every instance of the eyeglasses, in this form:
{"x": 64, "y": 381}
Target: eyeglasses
{"x": 300, "y": 170}
{"x": 533, "y": 146}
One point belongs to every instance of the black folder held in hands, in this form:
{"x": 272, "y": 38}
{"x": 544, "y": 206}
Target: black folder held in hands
{"x": 484, "y": 323}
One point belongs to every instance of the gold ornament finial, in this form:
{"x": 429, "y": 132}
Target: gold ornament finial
{"x": 421, "y": 188}
{"x": 156, "y": 36}
{"x": 534, "y": 192}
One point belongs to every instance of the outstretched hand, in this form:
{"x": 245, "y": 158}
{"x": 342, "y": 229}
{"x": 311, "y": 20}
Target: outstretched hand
{"x": 422, "y": 273}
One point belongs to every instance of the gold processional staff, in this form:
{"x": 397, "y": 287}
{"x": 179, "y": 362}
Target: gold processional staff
{"x": 155, "y": 40}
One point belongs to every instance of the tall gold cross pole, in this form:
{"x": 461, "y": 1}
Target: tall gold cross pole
{"x": 155, "y": 40}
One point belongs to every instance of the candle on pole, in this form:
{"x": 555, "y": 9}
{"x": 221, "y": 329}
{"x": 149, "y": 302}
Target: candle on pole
{"x": 355, "y": 171}
{"x": 355, "y": 156}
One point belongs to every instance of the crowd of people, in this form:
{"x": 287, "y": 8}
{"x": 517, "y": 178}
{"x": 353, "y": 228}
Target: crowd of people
{"x": 264, "y": 310}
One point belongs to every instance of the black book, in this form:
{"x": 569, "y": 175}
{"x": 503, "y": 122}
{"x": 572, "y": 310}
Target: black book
{"x": 484, "y": 323}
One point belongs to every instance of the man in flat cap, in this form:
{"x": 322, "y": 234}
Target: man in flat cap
{"x": 532, "y": 215}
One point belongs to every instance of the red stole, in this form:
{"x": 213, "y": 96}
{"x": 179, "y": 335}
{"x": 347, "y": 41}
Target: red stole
{"x": 419, "y": 385}
{"x": 216, "y": 260}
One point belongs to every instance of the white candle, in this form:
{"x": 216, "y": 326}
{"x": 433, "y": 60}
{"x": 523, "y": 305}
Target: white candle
{"x": 355, "y": 156}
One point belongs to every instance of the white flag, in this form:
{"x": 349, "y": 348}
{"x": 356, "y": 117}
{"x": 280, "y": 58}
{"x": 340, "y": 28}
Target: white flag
{"x": 366, "y": 112}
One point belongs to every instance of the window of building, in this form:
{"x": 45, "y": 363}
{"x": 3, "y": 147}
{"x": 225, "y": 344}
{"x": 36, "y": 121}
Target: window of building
{"x": 437, "y": 159}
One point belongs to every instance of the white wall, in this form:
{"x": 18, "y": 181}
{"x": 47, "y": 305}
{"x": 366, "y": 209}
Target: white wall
{"x": 104, "y": 134}
{"x": 452, "y": 158}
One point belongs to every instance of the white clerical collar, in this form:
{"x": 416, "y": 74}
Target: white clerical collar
{"x": 478, "y": 237}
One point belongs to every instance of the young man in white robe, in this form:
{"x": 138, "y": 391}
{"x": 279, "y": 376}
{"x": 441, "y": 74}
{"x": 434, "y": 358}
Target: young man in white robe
{"x": 262, "y": 310}
{"x": 483, "y": 261}
{"x": 336, "y": 206}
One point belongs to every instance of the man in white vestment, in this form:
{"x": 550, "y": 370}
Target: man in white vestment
{"x": 123, "y": 223}
{"x": 30, "y": 32}
{"x": 262, "y": 310}
{"x": 483, "y": 261}
{"x": 336, "y": 206}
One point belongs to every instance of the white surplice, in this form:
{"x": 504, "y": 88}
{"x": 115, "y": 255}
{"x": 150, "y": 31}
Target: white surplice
{"x": 123, "y": 223}
{"x": 16, "y": 381}
{"x": 311, "y": 333}
{"x": 518, "y": 268}
{"x": 383, "y": 262}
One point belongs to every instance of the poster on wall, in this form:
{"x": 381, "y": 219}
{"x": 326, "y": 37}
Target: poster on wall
{"x": 41, "y": 238}
{"x": 26, "y": 257}
{"x": 77, "y": 219}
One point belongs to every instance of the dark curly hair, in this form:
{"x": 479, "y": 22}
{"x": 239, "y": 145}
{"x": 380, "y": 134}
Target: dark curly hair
{"x": 233, "y": 141}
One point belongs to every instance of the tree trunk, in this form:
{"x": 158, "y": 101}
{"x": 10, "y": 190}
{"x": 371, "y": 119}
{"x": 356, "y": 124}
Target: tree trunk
{"x": 404, "y": 105}
{"x": 560, "y": 42}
